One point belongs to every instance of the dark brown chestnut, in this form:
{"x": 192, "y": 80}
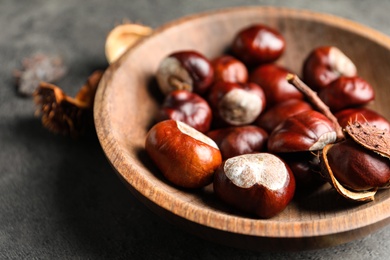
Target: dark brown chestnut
{"x": 238, "y": 140}
{"x": 272, "y": 79}
{"x": 306, "y": 169}
{"x": 279, "y": 112}
{"x": 325, "y": 64}
{"x": 258, "y": 44}
{"x": 356, "y": 167}
{"x": 306, "y": 131}
{"x": 236, "y": 103}
{"x": 185, "y": 156}
{"x": 259, "y": 183}
{"x": 187, "y": 70}
{"x": 347, "y": 92}
{"x": 229, "y": 69}
{"x": 188, "y": 107}
{"x": 362, "y": 115}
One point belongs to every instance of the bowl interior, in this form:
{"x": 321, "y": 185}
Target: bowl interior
{"x": 128, "y": 99}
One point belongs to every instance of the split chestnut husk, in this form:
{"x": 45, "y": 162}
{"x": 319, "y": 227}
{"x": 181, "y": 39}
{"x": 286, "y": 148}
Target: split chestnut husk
{"x": 358, "y": 163}
{"x": 358, "y": 166}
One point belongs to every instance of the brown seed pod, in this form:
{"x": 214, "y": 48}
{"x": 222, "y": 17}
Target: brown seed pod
{"x": 357, "y": 165}
{"x": 63, "y": 114}
{"x": 360, "y": 165}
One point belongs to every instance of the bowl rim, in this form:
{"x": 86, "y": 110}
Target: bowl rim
{"x": 218, "y": 220}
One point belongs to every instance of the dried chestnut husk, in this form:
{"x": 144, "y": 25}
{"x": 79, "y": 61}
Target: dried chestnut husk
{"x": 360, "y": 165}
{"x": 362, "y": 115}
{"x": 356, "y": 167}
{"x": 63, "y": 114}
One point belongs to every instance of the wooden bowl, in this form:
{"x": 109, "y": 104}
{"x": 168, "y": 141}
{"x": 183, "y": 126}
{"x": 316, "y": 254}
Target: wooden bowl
{"x": 128, "y": 100}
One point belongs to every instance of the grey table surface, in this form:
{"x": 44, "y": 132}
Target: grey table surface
{"x": 59, "y": 198}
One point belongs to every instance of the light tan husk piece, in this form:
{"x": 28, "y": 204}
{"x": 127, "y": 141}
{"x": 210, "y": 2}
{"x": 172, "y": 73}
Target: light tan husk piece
{"x": 123, "y": 37}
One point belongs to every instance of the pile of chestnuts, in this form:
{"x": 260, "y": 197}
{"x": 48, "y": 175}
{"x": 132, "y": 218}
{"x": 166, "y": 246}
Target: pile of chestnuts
{"x": 258, "y": 133}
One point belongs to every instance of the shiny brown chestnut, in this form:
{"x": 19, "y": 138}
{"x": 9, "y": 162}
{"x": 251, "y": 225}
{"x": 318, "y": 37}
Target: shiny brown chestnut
{"x": 258, "y": 44}
{"x": 238, "y": 140}
{"x": 347, "y": 92}
{"x": 306, "y": 169}
{"x": 185, "y": 156}
{"x": 306, "y": 131}
{"x": 281, "y": 111}
{"x": 229, "y": 69}
{"x": 325, "y": 64}
{"x": 236, "y": 103}
{"x": 188, "y": 107}
{"x": 356, "y": 167}
{"x": 187, "y": 70}
{"x": 362, "y": 115}
{"x": 272, "y": 79}
{"x": 259, "y": 183}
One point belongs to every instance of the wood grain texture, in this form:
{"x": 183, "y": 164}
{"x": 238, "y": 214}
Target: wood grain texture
{"x": 127, "y": 101}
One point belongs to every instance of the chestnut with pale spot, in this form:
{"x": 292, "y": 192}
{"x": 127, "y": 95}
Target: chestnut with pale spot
{"x": 306, "y": 131}
{"x": 236, "y": 104}
{"x": 258, "y": 183}
{"x": 185, "y": 156}
{"x": 185, "y": 70}
{"x": 324, "y": 65}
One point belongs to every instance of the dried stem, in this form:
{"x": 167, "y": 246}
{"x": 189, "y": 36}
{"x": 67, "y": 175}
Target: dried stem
{"x": 316, "y": 102}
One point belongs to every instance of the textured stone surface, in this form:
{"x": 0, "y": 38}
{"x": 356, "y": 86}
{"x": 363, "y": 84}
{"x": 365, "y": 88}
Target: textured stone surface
{"x": 59, "y": 198}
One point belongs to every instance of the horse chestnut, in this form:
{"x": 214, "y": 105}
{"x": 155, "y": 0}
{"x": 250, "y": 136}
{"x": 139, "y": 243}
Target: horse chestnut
{"x": 306, "y": 131}
{"x": 306, "y": 169}
{"x": 325, "y": 64}
{"x": 347, "y": 92}
{"x": 188, "y": 70}
{"x": 272, "y": 79}
{"x": 272, "y": 117}
{"x": 185, "y": 156}
{"x": 187, "y": 107}
{"x": 258, "y": 44}
{"x": 238, "y": 140}
{"x": 259, "y": 183}
{"x": 236, "y": 103}
{"x": 229, "y": 69}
